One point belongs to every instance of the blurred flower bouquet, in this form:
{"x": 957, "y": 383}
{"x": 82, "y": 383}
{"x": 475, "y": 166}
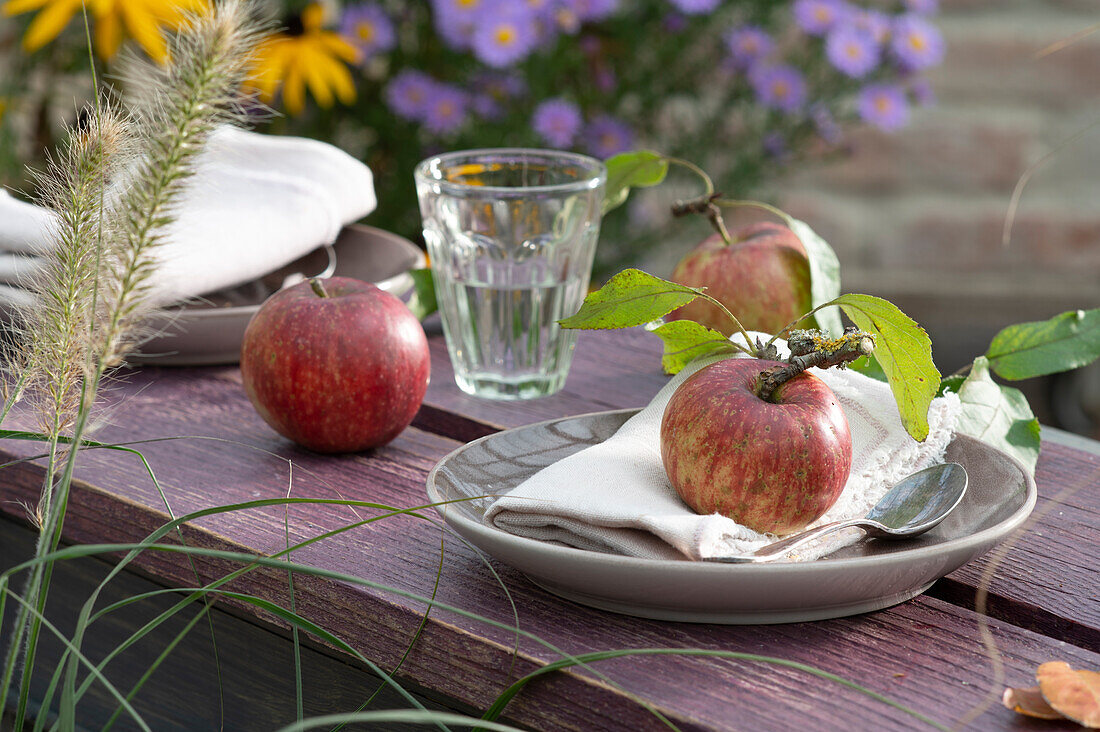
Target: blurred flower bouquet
{"x": 744, "y": 86}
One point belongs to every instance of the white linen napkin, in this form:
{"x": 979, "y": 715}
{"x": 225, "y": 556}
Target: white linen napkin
{"x": 615, "y": 497}
{"x": 255, "y": 203}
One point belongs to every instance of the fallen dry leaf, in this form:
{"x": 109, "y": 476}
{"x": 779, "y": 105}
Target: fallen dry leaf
{"x": 1030, "y": 703}
{"x": 1074, "y": 694}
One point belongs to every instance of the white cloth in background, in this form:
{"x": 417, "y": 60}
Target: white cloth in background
{"x": 255, "y": 203}
{"x": 615, "y": 497}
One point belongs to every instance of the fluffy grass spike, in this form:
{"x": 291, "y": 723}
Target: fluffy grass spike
{"x": 57, "y": 328}
{"x": 177, "y": 109}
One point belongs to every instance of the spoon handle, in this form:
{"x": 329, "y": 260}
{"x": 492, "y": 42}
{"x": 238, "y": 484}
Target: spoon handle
{"x": 780, "y": 548}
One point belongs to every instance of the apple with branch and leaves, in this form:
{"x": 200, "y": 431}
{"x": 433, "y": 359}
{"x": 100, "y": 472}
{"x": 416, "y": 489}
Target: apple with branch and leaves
{"x": 725, "y": 422}
{"x": 759, "y": 439}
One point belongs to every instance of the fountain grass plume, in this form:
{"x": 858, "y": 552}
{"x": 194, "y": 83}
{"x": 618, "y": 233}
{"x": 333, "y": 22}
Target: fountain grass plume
{"x": 90, "y": 303}
{"x": 59, "y": 327}
{"x": 176, "y": 110}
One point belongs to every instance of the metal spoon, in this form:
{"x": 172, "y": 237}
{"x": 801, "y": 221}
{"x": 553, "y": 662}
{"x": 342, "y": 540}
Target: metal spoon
{"x": 915, "y": 505}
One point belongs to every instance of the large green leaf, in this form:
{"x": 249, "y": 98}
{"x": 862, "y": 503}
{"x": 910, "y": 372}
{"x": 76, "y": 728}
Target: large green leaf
{"x": 1064, "y": 342}
{"x": 686, "y": 340}
{"x": 638, "y": 169}
{"x": 630, "y": 298}
{"x": 998, "y": 415}
{"x": 824, "y": 274}
{"x": 904, "y": 351}
{"x": 423, "y": 302}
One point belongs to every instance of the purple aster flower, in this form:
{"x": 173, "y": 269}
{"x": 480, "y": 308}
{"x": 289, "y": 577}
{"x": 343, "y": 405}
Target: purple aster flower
{"x": 922, "y": 7}
{"x": 922, "y": 93}
{"x": 851, "y": 50}
{"x": 446, "y": 110}
{"x": 557, "y": 121}
{"x": 589, "y": 10}
{"x": 455, "y": 20}
{"x": 486, "y": 106}
{"x": 547, "y": 23}
{"x": 874, "y": 22}
{"x": 825, "y": 124}
{"x": 674, "y": 23}
{"x": 409, "y": 92}
{"x": 505, "y": 34}
{"x": 500, "y": 85}
{"x": 491, "y": 90}
{"x": 695, "y": 7}
{"x": 917, "y": 44}
{"x": 604, "y": 78}
{"x": 884, "y": 106}
{"x": 566, "y": 21}
{"x": 778, "y": 87}
{"x": 608, "y": 136}
{"x": 369, "y": 28}
{"x": 817, "y": 17}
{"x": 774, "y": 145}
{"x": 748, "y": 44}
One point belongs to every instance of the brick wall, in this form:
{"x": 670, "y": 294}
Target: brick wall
{"x": 917, "y": 217}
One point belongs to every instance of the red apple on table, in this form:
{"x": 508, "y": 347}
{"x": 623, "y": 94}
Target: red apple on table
{"x": 336, "y": 365}
{"x": 773, "y": 466}
{"x": 763, "y": 277}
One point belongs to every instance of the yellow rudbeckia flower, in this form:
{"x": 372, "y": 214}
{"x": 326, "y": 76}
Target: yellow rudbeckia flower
{"x": 311, "y": 58}
{"x": 112, "y": 20}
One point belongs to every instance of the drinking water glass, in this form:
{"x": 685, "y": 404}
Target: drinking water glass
{"x": 511, "y": 234}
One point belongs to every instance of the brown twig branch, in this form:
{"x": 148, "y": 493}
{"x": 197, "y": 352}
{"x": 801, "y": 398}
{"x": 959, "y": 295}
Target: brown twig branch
{"x": 704, "y": 205}
{"x": 812, "y": 348}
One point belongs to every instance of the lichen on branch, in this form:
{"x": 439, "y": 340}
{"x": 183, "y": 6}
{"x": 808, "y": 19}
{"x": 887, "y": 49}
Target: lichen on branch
{"x": 814, "y": 348}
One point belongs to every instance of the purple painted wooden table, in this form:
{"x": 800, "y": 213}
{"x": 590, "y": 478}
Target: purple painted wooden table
{"x": 927, "y": 654}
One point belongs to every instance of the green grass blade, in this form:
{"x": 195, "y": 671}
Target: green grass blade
{"x": 161, "y": 657}
{"x": 45, "y": 623}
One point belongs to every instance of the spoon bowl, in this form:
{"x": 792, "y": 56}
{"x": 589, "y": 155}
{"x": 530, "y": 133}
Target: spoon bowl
{"x": 914, "y": 505}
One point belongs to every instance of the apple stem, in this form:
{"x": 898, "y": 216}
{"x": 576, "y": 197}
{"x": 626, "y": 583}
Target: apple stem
{"x": 813, "y": 348}
{"x": 318, "y": 287}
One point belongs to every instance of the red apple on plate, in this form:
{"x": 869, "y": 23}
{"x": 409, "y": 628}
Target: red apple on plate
{"x": 336, "y": 365}
{"x": 763, "y": 277}
{"x": 773, "y": 466}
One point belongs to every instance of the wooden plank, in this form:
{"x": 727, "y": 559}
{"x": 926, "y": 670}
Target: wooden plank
{"x": 937, "y": 646}
{"x": 914, "y": 654}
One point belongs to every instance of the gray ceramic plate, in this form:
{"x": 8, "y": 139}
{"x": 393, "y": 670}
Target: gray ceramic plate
{"x": 210, "y": 331}
{"x": 868, "y": 576}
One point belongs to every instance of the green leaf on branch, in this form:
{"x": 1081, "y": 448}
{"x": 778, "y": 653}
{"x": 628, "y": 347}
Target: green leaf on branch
{"x": 630, "y": 298}
{"x": 904, "y": 351}
{"x": 824, "y": 274}
{"x": 686, "y": 340}
{"x": 422, "y": 303}
{"x": 638, "y": 169}
{"x": 1064, "y": 342}
{"x": 998, "y": 415}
